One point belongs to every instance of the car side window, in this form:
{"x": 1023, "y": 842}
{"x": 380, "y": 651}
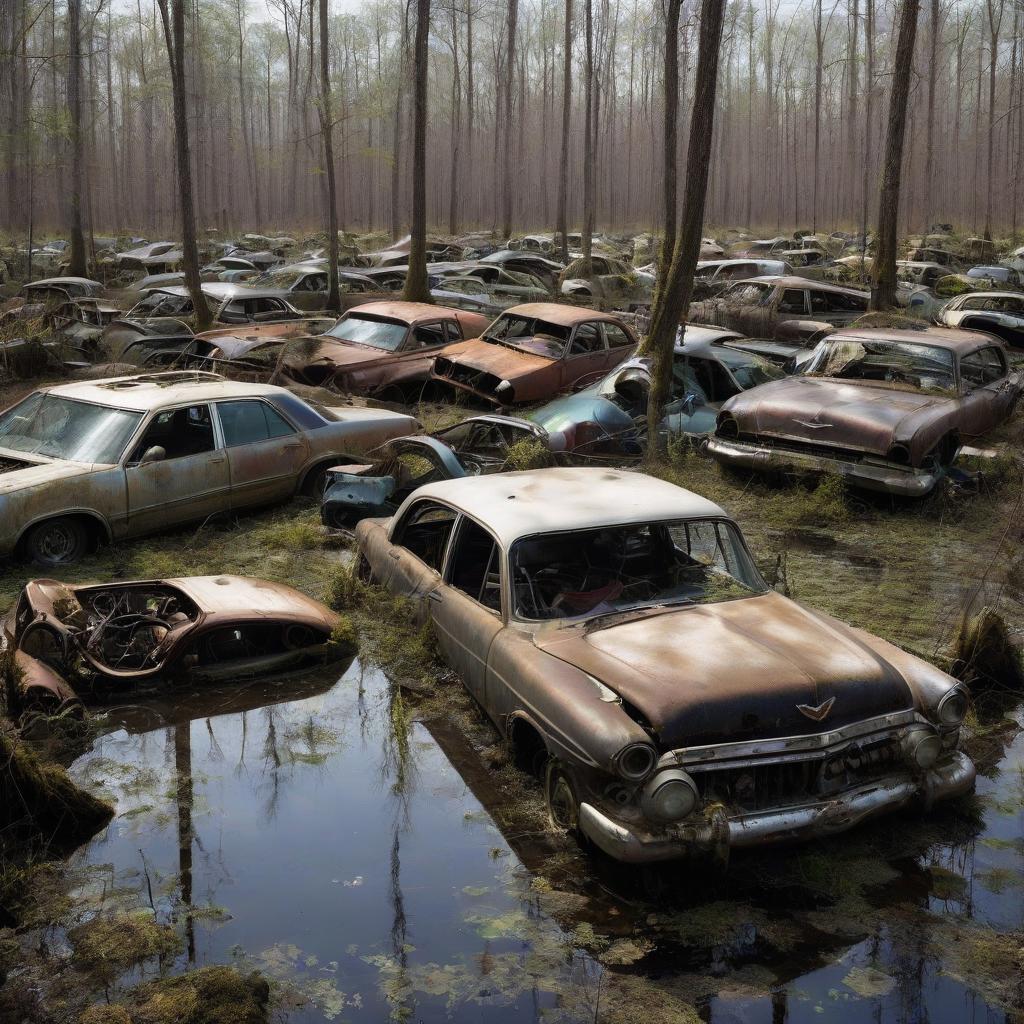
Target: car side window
{"x": 982, "y": 367}
{"x": 616, "y": 336}
{"x": 428, "y": 335}
{"x": 180, "y": 432}
{"x": 586, "y": 340}
{"x": 250, "y": 421}
{"x": 452, "y": 330}
{"x": 820, "y": 302}
{"x": 424, "y": 531}
{"x": 475, "y": 565}
{"x": 792, "y": 301}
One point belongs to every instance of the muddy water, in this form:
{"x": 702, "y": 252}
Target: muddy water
{"x": 311, "y": 829}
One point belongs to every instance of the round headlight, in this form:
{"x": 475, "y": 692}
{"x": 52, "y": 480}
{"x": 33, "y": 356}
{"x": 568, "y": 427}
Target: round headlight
{"x": 922, "y": 746}
{"x": 953, "y": 707}
{"x": 670, "y": 796}
{"x": 636, "y": 761}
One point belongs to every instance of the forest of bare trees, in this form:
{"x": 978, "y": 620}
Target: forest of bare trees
{"x": 803, "y": 93}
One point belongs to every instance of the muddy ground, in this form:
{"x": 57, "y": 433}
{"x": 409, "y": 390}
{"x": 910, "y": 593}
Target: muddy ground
{"x": 358, "y": 836}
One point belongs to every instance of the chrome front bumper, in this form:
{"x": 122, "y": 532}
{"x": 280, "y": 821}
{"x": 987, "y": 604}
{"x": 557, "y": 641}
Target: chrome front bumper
{"x": 873, "y": 476}
{"x": 803, "y": 821}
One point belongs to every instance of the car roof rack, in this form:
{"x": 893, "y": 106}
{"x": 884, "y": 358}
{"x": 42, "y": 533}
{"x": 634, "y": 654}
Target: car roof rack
{"x": 168, "y": 379}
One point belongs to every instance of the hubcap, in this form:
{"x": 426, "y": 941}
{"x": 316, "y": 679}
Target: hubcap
{"x": 57, "y": 543}
{"x": 563, "y": 804}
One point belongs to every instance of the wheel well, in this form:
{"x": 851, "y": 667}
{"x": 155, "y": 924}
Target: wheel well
{"x": 95, "y": 528}
{"x": 528, "y": 747}
{"x": 947, "y": 448}
{"x": 336, "y": 460}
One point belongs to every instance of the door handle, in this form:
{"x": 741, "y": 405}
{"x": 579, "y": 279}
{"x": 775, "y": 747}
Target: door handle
{"x": 435, "y": 597}
{"x": 292, "y": 445}
{"x": 394, "y": 555}
{"x": 215, "y": 459}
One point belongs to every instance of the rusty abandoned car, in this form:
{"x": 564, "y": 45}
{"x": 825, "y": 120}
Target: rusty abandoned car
{"x": 73, "y": 640}
{"x": 109, "y": 459}
{"x": 384, "y": 349}
{"x": 616, "y": 630}
{"x": 534, "y": 351}
{"x": 886, "y": 409}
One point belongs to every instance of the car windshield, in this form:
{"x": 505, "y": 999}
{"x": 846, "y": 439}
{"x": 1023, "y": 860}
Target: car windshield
{"x": 615, "y": 569}
{"x": 901, "y": 364}
{"x": 384, "y": 334}
{"x": 529, "y": 335}
{"x": 749, "y": 370}
{"x": 278, "y": 278}
{"x": 161, "y": 304}
{"x": 46, "y": 424}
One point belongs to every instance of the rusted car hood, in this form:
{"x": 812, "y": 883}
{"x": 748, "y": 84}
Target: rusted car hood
{"x": 735, "y": 670}
{"x": 504, "y": 362}
{"x": 243, "y": 597}
{"x": 337, "y": 353}
{"x": 837, "y": 412}
{"x": 33, "y": 475}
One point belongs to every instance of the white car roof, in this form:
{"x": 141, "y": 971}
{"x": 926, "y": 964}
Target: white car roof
{"x": 514, "y": 505}
{"x": 146, "y": 391}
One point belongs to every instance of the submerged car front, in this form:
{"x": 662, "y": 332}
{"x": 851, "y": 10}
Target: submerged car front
{"x": 881, "y": 409}
{"x": 743, "y": 717}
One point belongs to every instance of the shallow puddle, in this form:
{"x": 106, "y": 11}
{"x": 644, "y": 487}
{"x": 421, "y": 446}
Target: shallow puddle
{"x": 312, "y": 829}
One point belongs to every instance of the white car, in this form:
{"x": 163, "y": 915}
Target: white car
{"x": 105, "y": 460}
{"x": 998, "y": 313}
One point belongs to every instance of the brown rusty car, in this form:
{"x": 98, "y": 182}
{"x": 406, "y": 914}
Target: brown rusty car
{"x": 70, "y": 640}
{"x": 534, "y": 351}
{"x": 384, "y": 349}
{"x": 111, "y": 459}
{"x": 617, "y": 632}
{"x": 886, "y": 409}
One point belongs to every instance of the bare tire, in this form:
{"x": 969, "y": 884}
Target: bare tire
{"x": 57, "y": 542}
{"x": 563, "y": 804}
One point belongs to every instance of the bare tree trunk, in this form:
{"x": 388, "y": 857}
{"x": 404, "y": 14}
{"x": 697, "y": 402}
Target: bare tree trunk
{"x": 929, "y": 159}
{"x": 995, "y": 21}
{"x": 562, "y": 227}
{"x": 670, "y": 154}
{"x": 509, "y": 171}
{"x": 78, "y": 263}
{"x": 327, "y": 130}
{"x": 588, "y": 142}
{"x": 416, "y": 288}
{"x": 674, "y": 298}
{"x": 174, "y": 35}
{"x": 869, "y": 109}
{"x": 883, "y": 272}
{"x": 453, "y": 192}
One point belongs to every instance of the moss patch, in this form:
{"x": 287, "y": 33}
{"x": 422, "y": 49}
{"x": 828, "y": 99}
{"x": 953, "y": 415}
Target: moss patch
{"x": 107, "y": 947}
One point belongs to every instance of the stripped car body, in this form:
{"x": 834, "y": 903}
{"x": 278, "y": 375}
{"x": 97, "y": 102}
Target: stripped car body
{"x": 999, "y": 313}
{"x": 533, "y": 351}
{"x": 476, "y": 446}
{"x": 885, "y": 409}
{"x": 74, "y": 640}
{"x": 122, "y": 457}
{"x": 614, "y": 627}
{"x": 609, "y": 418}
{"x": 383, "y": 349}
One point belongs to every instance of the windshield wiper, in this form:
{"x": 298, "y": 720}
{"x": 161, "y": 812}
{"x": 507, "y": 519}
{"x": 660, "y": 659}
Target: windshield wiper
{"x": 659, "y": 608}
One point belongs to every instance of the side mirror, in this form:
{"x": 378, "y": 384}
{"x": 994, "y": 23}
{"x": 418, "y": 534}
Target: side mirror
{"x": 154, "y": 454}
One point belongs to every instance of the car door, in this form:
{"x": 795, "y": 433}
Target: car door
{"x": 586, "y": 356}
{"x": 419, "y": 541}
{"x": 988, "y": 391}
{"x": 793, "y": 304}
{"x": 265, "y": 452}
{"x": 421, "y": 345}
{"x": 466, "y": 607}
{"x": 189, "y": 482}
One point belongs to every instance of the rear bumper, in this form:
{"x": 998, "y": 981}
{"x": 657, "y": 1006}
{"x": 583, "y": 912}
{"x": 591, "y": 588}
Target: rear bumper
{"x": 804, "y": 821}
{"x": 874, "y": 476}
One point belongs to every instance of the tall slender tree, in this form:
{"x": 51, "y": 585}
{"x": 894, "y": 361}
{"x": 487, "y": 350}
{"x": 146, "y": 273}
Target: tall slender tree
{"x": 670, "y": 155}
{"x": 327, "y": 130}
{"x": 509, "y": 172}
{"x": 416, "y": 287}
{"x": 562, "y": 227}
{"x": 78, "y": 263}
{"x": 673, "y": 298}
{"x": 172, "y": 15}
{"x": 883, "y": 271}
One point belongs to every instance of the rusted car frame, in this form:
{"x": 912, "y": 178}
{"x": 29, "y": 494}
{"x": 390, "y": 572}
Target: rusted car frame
{"x": 532, "y": 352}
{"x": 885, "y": 409}
{"x": 75, "y": 640}
{"x": 615, "y": 630}
{"x": 122, "y": 457}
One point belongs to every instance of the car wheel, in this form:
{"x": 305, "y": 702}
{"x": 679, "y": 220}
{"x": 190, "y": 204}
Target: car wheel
{"x": 563, "y": 806}
{"x": 316, "y": 483}
{"x": 57, "y": 542}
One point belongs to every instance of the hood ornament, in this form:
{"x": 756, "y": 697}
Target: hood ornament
{"x": 815, "y": 425}
{"x": 819, "y": 713}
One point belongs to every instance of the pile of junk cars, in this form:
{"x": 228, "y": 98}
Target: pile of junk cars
{"x": 570, "y": 597}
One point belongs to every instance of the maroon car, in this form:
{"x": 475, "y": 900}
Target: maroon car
{"x": 534, "y": 351}
{"x": 384, "y": 349}
{"x": 886, "y": 409}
